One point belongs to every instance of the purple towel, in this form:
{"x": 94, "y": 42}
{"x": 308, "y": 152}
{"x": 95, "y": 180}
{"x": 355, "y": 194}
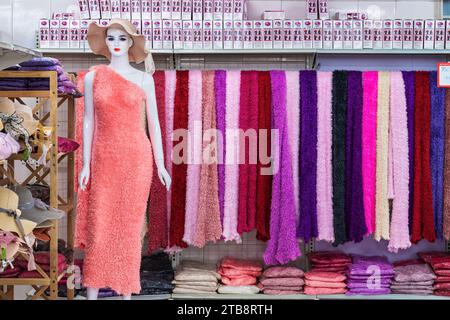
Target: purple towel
{"x": 220, "y": 84}
{"x": 365, "y": 291}
{"x": 40, "y": 62}
{"x": 58, "y": 69}
{"x": 365, "y": 285}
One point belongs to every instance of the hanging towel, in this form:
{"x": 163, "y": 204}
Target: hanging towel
{"x": 339, "y": 111}
{"x": 208, "y": 224}
{"x": 195, "y": 152}
{"x": 220, "y": 90}
{"x": 399, "y": 163}
{"x": 307, "y": 227}
{"x": 409, "y": 80}
{"x": 437, "y": 134}
{"x": 282, "y": 246}
{"x": 157, "y": 207}
{"x": 179, "y": 167}
{"x": 354, "y": 201}
{"x": 324, "y": 158}
{"x": 264, "y": 181}
{"x": 382, "y": 201}
{"x": 423, "y": 217}
{"x": 447, "y": 168}
{"x": 248, "y": 142}
{"x": 232, "y": 168}
{"x": 369, "y": 145}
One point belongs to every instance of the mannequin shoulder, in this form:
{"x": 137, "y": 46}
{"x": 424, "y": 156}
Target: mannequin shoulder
{"x": 148, "y": 78}
{"x": 89, "y": 77}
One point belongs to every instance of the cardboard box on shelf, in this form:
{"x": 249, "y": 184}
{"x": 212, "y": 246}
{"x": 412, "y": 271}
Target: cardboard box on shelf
{"x": 277, "y": 34}
{"x": 94, "y": 9}
{"x": 311, "y": 9}
{"x": 207, "y": 34}
{"x": 428, "y": 39}
{"x": 188, "y": 35}
{"x": 197, "y": 27}
{"x": 408, "y": 34}
{"x": 307, "y": 34}
{"x": 54, "y": 33}
{"x": 218, "y": 10}
{"x": 238, "y": 34}
{"x": 186, "y": 7}
{"x": 146, "y": 9}
{"x": 136, "y": 9}
{"x": 197, "y": 10}
{"x": 368, "y": 34}
{"x": 125, "y": 9}
{"x": 116, "y": 11}
{"x": 323, "y": 10}
{"x": 357, "y": 34}
{"x": 74, "y": 29}
{"x": 317, "y": 34}
{"x": 338, "y": 37}
{"x": 439, "y": 35}
{"x": 347, "y": 32}
{"x": 258, "y": 33}
{"x": 138, "y": 25}
{"x": 218, "y": 34}
{"x": 378, "y": 34}
{"x": 418, "y": 34}
{"x": 248, "y": 34}
{"x": 157, "y": 30}
{"x": 176, "y": 9}
{"x": 105, "y": 9}
{"x": 166, "y": 9}
{"x": 84, "y": 9}
{"x": 44, "y": 34}
{"x": 156, "y": 10}
{"x": 397, "y": 40}
{"x": 327, "y": 34}
{"x": 147, "y": 33}
{"x": 288, "y": 34}
{"x": 208, "y": 9}
{"x": 268, "y": 34}
{"x": 227, "y": 9}
{"x": 297, "y": 35}
{"x": 238, "y": 9}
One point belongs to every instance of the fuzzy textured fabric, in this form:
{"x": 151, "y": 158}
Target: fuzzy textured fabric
{"x": 157, "y": 207}
{"x": 414, "y": 273}
{"x": 339, "y": 111}
{"x": 282, "y": 246}
{"x": 248, "y": 123}
{"x": 324, "y": 158}
{"x": 231, "y": 272}
{"x": 307, "y": 227}
{"x": 325, "y": 284}
{"x": 399, "y": 165}
{"x": 283, "y": 272}
{"x": 220, "y": 82}
{"x": 243, "y": 280}
{"x": 238, "y": 290}
{"x": 423, "y": 217}
{"x": 369, "y": 145}
{"x": 382, "y": 201}
{"x": 270, "y": 282}
{"x": 319, "y": 291}
{"x": 179, "y": 167}
{"x": 264, "y": 182}
{"x": 102, "y": 205}
{"x": 446, "y": 209}
{"x": 208, "y": 227}
{"x": 354, "y": 200}
{"x": 437, "y": 134}
{"x": 409, "y": 81}
{"x": 232, "y": 168}
{"x": 195, "y": 147}
{"x": 324, "y": 276}
{"x": 240, "y": 264}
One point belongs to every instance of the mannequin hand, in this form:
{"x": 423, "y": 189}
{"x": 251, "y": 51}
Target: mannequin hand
{"x": 84, "y": 177}
{"x": 164, "y": 177}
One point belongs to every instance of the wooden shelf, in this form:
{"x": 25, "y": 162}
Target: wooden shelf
{"x": 24, "y": 281}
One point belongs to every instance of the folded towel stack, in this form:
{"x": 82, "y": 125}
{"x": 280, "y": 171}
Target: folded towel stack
{"x": 196, "y": 278}
{"x": 369, "y": 276}
{"x": 414, "y": 278}
{"x": 282, "y": 280}
{"x": 43, "y": 260}
{"x": 322, "y": 282}
{"x": 329, "y": 261}
{"x": 239, "y": 276}
{"x": 440, "y": 262}
{"x": 156, "y": 274}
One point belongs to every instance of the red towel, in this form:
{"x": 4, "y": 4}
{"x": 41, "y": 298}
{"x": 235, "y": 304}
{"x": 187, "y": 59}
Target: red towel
{"x": 229, "y": 272}
{"x": 241, "y": 264}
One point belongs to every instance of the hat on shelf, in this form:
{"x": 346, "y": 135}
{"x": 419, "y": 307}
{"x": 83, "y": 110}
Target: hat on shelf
{"x": 7, "y": 108}
{"x": 25, "y": 112}
{"x": 8, "y": 146}
{"x": 11, "y": 243}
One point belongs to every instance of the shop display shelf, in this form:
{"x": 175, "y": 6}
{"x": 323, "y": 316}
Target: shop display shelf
{"x": 88, "y": 51}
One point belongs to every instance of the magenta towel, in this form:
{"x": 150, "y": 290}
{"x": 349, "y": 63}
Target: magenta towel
{"x": 282, "y": 246}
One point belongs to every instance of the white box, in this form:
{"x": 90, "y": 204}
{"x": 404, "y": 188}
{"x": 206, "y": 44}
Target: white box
{"x": 187, "y": 35}
{"x": 94, "y": 9}
{"x": 288, "y": 34}
{"x": 238, "y": 9}
{"x": 307, "y": 34}
{"x": 125, "y": 9}
{"x": 228, "y": 34}
{"x": 348, "y": 34}
{"x": 218, "y": 34}
{"x": 357, "y": 34}
{"x": 74, "y": 30}
{"x": 207, "y": 34}
{"x": 268, "y": 34}
{"x": 167, "y": 34}
{"x": 208, "y": 9}
{"x": 317, "y": 34}
{"x": 238, "y": 34}
{"x": 197, "y": 28}
{"x": 428, "y": 39}
{"x": 116, "y": 11}
{"x": 177, "y": 34}
{"x": 323, "y": 10}
{"x": 64, "y": 37}
{"x": 378, "y": 34}
{"x": 54, "y": 34}
{"x": 197, "y": 10}
{"x": 447, "y": 34}
{"x": 218, "y": 10}
{"x": 274, "y": 15}
{"x": 277, "y": 34}
{"x": 297, "y": 35}
{"x": 397, "y": 38}
{"x": 368, "y": 34}
{"x": 408, "y": 34}
{"x": 138, "y": 25}
{"x": 136, "y": 9}
{"x": 258, "y": 34}
{"x": 105, "y": 9}
{"x": 387, "y": 34}
{"x": 146, "y": 6}
{"x": 44, "y": 33}
{"x": 166, "y": 9}
{"x": 84, "y": 25}
{"x": 84, "y": 9}
{"x": 248, "y": 34}
{"x": 147, "y": 33}
{"x": 418, "y": 34}
{"x": 311, "y": 9}
{"x": 327, "y": 34}
{"x": 156, "y": 10}
{"x": 176, "y": 9}
{"x": 439, "y": 35}
{"x": 186, "y": 7}
{"x": 227, "y": 9}
{"x": 338, "y": 34}
{"x": 157, "y": 31}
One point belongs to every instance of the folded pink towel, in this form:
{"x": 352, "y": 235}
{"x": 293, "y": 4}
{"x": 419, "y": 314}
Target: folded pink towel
{"x": 239, "y": 281}
{"x": 241, "y": 264}
{"x": 283, "y": 272}
{"x": 325, "y": 284}
{"x": 314, "y": 291}
{"x": 325, "y": 276}
{"x": 268, "y": 282}
{"x": 280, "y": 292}
{"x": 230, "y": 272}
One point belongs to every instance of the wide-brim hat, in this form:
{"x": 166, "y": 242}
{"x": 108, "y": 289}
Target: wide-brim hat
{"x": 29, "y": 123}
{"x": 97, "y": 40}
{"x": 10, "y": 201}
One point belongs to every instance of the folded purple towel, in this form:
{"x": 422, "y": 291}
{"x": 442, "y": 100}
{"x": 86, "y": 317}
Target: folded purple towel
{"x": 56, "y": 68}
{"x": 365, "y": 285}
{"x": 40, "y": 62}
{"x": 413, "y": 291}
{"x": 365, "y": 291}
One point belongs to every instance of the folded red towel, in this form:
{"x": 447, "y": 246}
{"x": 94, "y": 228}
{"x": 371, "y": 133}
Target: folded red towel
{"x": 230, "y": 272}
{"x": 239, "y": 281}
{"x": 241, "y": 264}
{"x": 325, "y": 284}
{"x": 325, "y": 276}
{"x": 314, "y": 291}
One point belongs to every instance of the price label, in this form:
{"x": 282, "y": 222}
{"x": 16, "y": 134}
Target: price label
{"x": 444, "y": 75}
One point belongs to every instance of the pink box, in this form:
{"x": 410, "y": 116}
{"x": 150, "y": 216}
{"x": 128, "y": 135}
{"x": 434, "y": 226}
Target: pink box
{"x": 327, "y": 34}
{"x": 146, "y": 6}
{"x": 238, "y": 34}
{"x": 338, "y": 34}
{"x": 197, "y": 10}
{"x": 311, "y": 9}
{"x": 105, "y": 9}
{"x": 358, "y": 34}
{"x": 227, "y": 9}
{"x": 115, "y": 9}
{"x": 297, "y": 35}
{"x": 387, "y": 34}
{"x": 44, "y": 33}
{"x": 177, "y": 34}
{"x": 156, "y": 10}
{"x": 166, "y": 9}
{"x": 347, "y": 33}
{"x": 397, "y": 41}
{"x": 188, "y": 35}
{"x": 84, "y": 25}
{"x": 368, "y": 34}
{"x": 125, "y": 9}
{"x": 317, "y": 34}
{"x": 428, "y": 40}
{"x": 176, "y": 9}
{"x": 208, "y": 8}
{"x": 447, "y": 34}
{"x": 268, "y": 34}
{"x": 197, "y": 27}
{"x": 323, "y": 10}
{"x": 137, "y": 24}
{"x": 218, "y": 34}
{"x": 258, "y": 34}
{"x": 248, "y": 34}
{"x": 157, "y": 30}
{"x": 308, "y": 34}
{"x": 238, "y": 9}
{"x": 277, "y": 34}
{"x": 64, "y": 34}
{"x": 74, "y": 30}
{"x": 288, "y": 34}
{"x": 439, "y": 35}
{"x": 418, "y": 34}
{"x": 378, "y": 34}
{"x": 94, "y": 9}
{"x": 167, "y": 34}
{"x": 207, "y": 34}
{"x": 186, "y": 7}
{"x": 84, "y": 9}
{"x": 135, "y": 8}
{"x": 408, "y": 34}
{"x": 147, "y": 33}
{"x": 54, "y": 34}
{"x": 218, "y": 10}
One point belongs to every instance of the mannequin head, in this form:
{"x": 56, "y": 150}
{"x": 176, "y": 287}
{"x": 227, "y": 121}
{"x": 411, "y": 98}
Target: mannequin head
{"x": 118, "y": 41}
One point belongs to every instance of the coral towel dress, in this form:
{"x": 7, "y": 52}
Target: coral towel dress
{"x": 111, "y": 212}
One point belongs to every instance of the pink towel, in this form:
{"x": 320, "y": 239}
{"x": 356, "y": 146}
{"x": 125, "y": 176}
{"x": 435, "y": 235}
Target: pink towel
{"x": 324, "y": 284}
{"x": 369, "y": 142}
{"x": 324, "y": 153}
{"x": 316, "y": 291}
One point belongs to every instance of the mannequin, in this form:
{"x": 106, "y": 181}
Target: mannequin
{"x": 119, "y": 42}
